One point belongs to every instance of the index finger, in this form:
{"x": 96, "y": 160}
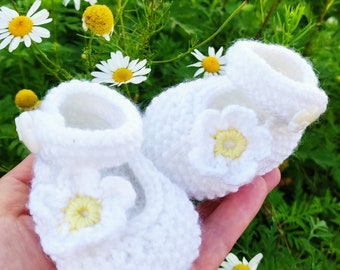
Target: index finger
{"x": 23, "y": 171}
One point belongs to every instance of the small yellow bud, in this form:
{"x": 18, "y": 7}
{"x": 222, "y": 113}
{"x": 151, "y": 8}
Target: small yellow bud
{"x": 26, "y": 99}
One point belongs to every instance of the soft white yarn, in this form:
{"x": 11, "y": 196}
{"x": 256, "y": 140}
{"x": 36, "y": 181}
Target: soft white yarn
{"x": 87, "y": 140}
{"x": 78, "y": 118}
{"x": 275, "y": 83}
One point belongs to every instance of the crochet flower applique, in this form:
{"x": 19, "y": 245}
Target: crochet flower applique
{"x": 86, "y": 209}
{"x": 229, "y": 144}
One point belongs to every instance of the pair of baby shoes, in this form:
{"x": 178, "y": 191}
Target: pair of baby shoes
{"x": 111, "y": 188}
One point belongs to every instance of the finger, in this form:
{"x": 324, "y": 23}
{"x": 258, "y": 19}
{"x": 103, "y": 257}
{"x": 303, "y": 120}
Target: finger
{"x": 272, "y": 179}
{"x": 207, "y": 207}
{"x": 23, "y": 171}
{"x": 14, "y": 189}
{"x": 224, "y": 226}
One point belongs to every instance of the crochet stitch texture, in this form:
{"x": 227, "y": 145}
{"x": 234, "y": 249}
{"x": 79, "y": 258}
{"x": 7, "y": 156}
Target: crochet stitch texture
{"x": 96, "y": 201}
{"x": 213, "y": 135}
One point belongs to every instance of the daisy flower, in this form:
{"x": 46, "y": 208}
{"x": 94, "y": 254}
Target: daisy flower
{"x": 80, "y": 208}
{"x": 229, "y": 144}
{"x": 77, "y": 3}
{"x": 213, "y": 64}
{"x": 120, "y": 70}
{"x": 99, "y": 19}
{"x": 233, "y": 263}
{"x": 15, "y": 28}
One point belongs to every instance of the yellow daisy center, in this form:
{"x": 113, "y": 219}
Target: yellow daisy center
{"x": 241, "y": 267}
{"x": 26, "y": 99}
{"x": 99, "y": 19}
{"x": 20, "y": 26}
{"x": 230, "y": 143}
{"x": 82, "y": 212}
{"x": 122, "y": 75}
{"x": 211, "y": 64}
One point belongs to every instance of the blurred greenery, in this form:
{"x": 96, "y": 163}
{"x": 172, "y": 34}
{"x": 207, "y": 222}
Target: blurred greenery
{"x": 299, "y": 225}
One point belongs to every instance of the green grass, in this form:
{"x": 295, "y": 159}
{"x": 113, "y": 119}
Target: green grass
{"x": 298, "y": 226}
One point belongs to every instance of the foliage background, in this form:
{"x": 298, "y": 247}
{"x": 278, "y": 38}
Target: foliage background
{"x": 299, "y": 225}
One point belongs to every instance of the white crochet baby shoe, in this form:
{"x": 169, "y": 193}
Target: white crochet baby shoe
{"x": 213, "y": 135}
{"x": 96, "y": 201}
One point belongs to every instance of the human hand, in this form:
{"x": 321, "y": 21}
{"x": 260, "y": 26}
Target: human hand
{"x": 19, "y": 245}
{"x": 225, "y": 219}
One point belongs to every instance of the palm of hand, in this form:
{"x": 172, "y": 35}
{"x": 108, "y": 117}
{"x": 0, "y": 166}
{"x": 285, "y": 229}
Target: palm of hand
{"x": 19, "y": 246}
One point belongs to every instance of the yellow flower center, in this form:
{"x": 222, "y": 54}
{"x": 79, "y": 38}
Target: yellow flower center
{"x": 20, "y": 26}
{"x": 122, "y": 75}
{"x": 241, "y": 267}
{"x": 230, "y": 143}
{"x": 26, "y": 99}
{"x": 99, "y": 19}
{"x": 82, "y": 212}
{"x": 211, "y": 64}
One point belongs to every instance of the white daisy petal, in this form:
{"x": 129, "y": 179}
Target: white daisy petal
{"x": 9, "y": 13}
{"x": 4, "y": 35}
{"x": 4, "y": 31}
{"x": 133, "y": 63}
{"x": 138, "y": 80}
{"x": 211, "y": 51}
{"x": 65, "y": 2}
{"x": 219, "y": 53}
{"x": 41, "y": 17}
{"x": 198, "y": 72}
{"x": 77, "y": 4}
{"x": 14, "y": 44}
{"x": 104, "y": 68}
{"x": 232, "y": 258}
{"x": 101, "y": 75}
{"x": 254, "y": 262}
{"x": 27, "y": 41}
{"x": 42, "y": 32}
{"x": 33, "y": 8}
{"x": 126, "y": 61}
{"x": 141, "y": 64}
{"x": 198, "y": 55}
{"x": 142, "y": 71}
{"x": 36, "y": 38}
{"x": 103, "y": 80}
{"x": 5, "y": 42}
{"x": 107, "y": 37}
{"x": 197, "y": 64}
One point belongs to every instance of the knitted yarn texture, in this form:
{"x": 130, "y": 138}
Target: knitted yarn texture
{"x": 96, "y": 201}
{"x": 213, "y": 135}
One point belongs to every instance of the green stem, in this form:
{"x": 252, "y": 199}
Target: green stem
{"x": 56, "y": 69}
{"x": 55, "y": 33}
{"x": 14, "y": 6}
{"x": 121, "y": 21}
{"x": 265, "y": 22}
{"x": 225, "y": 23}
{"x": 127, "y": 91}
{"x": 22, "y": 70}
{"x": 89, "y": 54}
{"x": 50, "y": 70}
